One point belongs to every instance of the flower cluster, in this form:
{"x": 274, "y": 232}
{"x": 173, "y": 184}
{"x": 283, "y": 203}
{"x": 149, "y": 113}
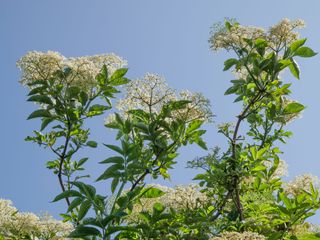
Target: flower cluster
{"x": 81, "y": 71}
{"x": 151, "y": 93}
{"x": 283, "y": 32}
{"x": 17, "y": 225}
{"x": 240, "y": 236}
{"x": 237, "y": 35}
{"x": 222, "y": 38}
{"x": 301, "y": 183}
{"x": 178, "y": 198}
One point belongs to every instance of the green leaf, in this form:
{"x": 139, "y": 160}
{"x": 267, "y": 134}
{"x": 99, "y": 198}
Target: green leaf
{"x": 201, "y": 143}
{"x": 103, "y": 75}
{"x": 228, "y": 25}
{"x": 295, "y": 45}
{"x": 67, "y": 193}
{"x": 98, "y": 108}
{"x": 176, "y": 105}
{"x": 86, "y": 189}
{"x": 82, "y": 161}
{"x": 158, "y": 207}
{"x": 83, "y": 98}
{"x": 115, "y": 159}
{"x": 293, "y": 107}
{"x": 39, "y": 113}
{"x": 285, "y": 200}
{"x": 305, "y": 52}
{"x": 114, "y": 184}
{"x": 45, "y": 122}
{"x": 152, "y": 192}
{"x": 259, "y": 168}
{"x": 294, "y": 68}
{"x": 194, "y": 125}
{"x": 84, "y": 208}
{"x": 232, "y": 90}
{"x": 111, "y": 172}
{"x": 73, "y": 91}
{"x": 92, "y": 144}
{"x": 229, "y": 63}
{"x": 40, "y": 99}
{"x": 75, "y": 203}
{"x": 120, "y": 81}
{"x": 114, "y": 148}
{"x": 82, "y": 231}
{"x": 37, "y": 90}
{"x": 117, "y": 77}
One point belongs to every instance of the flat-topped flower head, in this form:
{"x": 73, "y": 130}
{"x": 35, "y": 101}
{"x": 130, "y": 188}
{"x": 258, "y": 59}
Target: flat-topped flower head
{"x": 79, "y": 71}
{"x": 236, "y": 36}
{"x": 283, "y": 32}
{"x": 301, "y": 183}
{"x": 151, "y": 93}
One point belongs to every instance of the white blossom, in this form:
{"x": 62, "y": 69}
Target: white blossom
{"x": 151, "y": 93}
{"x": 301, "y": 183}
{"x": 41, "y": 66}
{"x": 239, "y": 236}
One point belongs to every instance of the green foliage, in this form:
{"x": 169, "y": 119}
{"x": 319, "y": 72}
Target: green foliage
{"x": 242, "y": 184}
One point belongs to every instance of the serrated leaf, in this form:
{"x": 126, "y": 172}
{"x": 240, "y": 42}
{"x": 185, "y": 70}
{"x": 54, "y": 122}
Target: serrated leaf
{"x": 152, "y": 192}
{"x": 294, "y": 68}
{"x": 40, "y": 113}
{"x": 305, "y": 52}
{"x": 111, "y": 172}
{"x": 45, "y": 122}
{"x": 229, "y": 63}
{"x": 98, "y": 108}
{"x": 82, "y": 161}
{"x": 119, "y": 73}
{"x": 295, "y": 45}
{"x": 73, "y": 91}
{"x": 40, "y": 99}
{"x": 75, "y": 203}
{"x": 114, "y": 184}
{"x": 92, "y": 144}
{"x": 84, "y": 208}
{"x": 82, "y": 231}
{"x": 65, "y": 194}
{"x": 115, "y": 159}
{"x": 201, "y": 143}
{"x": 293, "y": 107}
{"x": 231, "y": 90}
{"x": 83, "y": 98}
{"x": 114, "y": 148}
{"x": 194, "y": 125}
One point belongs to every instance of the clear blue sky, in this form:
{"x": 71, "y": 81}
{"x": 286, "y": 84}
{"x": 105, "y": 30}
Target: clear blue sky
{"x": 166, "y": 37}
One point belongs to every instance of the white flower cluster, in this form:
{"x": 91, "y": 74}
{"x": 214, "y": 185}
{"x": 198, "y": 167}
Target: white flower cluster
{"x": 151, "y": 93}
{"x": 281, "y": 171}
{"x": 17, "y": 225}
{"x": 235, "y": 37}
{"x": 178, "y": 198}
{"x": 283, "y": 31}
{"x": 302, "y": 183}
{"x": 221, "y": 38}
{"x": 42, "y": 66}
{"x": 239, "y": 236}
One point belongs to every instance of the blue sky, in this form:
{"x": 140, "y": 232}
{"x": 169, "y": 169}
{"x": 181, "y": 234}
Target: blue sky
{"x": 165, "y": 37}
